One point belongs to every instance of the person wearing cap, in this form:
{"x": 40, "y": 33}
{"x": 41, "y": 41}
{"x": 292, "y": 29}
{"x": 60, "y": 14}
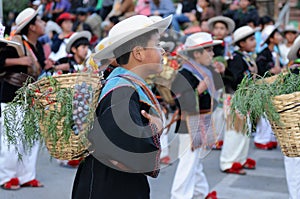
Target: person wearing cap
{"x": 291, "y": 164}
{"x": 78, "y": 47}
{"x": 268, "y": 63}
{"x": 60, "y": 6}
{"x": 59, "y": 41}
{"x": 268, "y": 60}
{"x": 195, "y": 88}
{"x": 221, "y": 27}
{"x": 290, "y": 33}
{"x": 233, "y": 158}
{"x": 246, "y": 10}
{"x": 124, "y": 140}
{"x": 25, "y": 59}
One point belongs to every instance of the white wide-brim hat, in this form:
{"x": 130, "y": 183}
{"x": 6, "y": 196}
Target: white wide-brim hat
{"x": 267, "y": 32}
{"x": 230, "y": 23}
{"x": 25, "y": 17}
{"x": 290, "y": 28}
{"x": 129, "y": 29}
{"x": 199, "y": 40}
{"x": 292, "y": 55}
{"x": 101, "y": 45}
{"x": 75, "y": 36}
{"x": 242, "y": 33}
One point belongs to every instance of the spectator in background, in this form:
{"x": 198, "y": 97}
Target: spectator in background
{"x": 58, "y": 48}
{"x": 263, "y": 21}
{"x": 162, "y": 8}
{"x": 81, "y": 16}
{"x": 106, "y": 7}
{"x": 245, "y": 11}
{"x": 204, "y": 10}
{"x": 185, "y": 9}
{"x": 290, "y": 34}
{"x": 142, "y": 7}
{"x": 60, "y": 7}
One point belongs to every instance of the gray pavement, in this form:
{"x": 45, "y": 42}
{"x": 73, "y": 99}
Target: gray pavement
{"x": 266, "y": 182}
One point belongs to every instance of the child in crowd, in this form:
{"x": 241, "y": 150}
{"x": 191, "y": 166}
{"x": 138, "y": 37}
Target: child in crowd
{"x": 234, "y": 153}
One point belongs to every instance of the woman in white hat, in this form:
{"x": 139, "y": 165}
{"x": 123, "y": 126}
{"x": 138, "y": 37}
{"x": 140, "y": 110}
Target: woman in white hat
{"x": 292, "y": 164}
{"x": 27, "y": 59}
{"x": 196, "y": 90}
{"x": 124, "y": 140}
{"x": 233, "y": 158}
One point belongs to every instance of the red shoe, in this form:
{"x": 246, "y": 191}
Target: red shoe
{"x": 165, "y": 160}
{"x": 32, "y": 183}
{"x": 236, "y": 168}
{"x": 74, "y": 163}
{"x": 274, "y": 144}
{"x": 12, "y": 184}
{"x": 249, "y": 164}
{"x": 218, "y": 145}
{"x": 267, "y": 146}
{"x": 212, "y": 195}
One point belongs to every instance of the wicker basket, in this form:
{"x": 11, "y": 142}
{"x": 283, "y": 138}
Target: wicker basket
{"x": 76, "y": 145}
{"x": 288, "y": 134}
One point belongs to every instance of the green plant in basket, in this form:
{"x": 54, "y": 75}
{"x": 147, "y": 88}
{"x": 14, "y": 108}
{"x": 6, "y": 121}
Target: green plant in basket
{"x": 253, "y": 97}
{"x": 52, "y": 112}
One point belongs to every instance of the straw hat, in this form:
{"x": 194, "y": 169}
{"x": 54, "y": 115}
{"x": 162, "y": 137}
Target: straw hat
{"x": 230, "y": 23}
{"x": 65, "y": 16}
{"x": 25, "y": 17}
{"x": 129, "y": 29}
{"x": 199, "y": 40}
{"x": 292, "y": 55}
{"x": 242, "y": 33}
{"x": 75, "y": 36}
{"x": 290, "y": 28}
{"x": 267, "y": 32}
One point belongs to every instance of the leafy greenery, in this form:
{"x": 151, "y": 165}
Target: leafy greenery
{"x": 253, "y": 98}
{"x": 27, "y": 113}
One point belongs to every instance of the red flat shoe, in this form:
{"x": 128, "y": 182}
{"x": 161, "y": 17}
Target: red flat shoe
{"x": 12, "y": 184}
{"x": 165, "y": 160}
{"x": 74, "y": 163}
{"x": 249, "y": 164}
{"x": 218, "y": 145}
{"x": 32, "y": 183}
{"x": 274, "y": 144}
{"x": 236, "y": 168}
{"x": 268, "y": 146}
{"x": 212, "y": 195}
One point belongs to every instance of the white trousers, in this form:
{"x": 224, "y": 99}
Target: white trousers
{"x": 264, "y": 132}
{"x": 164, "y": 138}
{"x": 292, "y": 170}
{"x": 189, "y": 181}
{"x": 10, "y": 165}
{"x": 235, "y": 149}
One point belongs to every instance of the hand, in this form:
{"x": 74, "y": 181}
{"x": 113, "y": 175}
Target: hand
{"x": 48, "y": 64}
{"x": 203, "y": 85}
{"x": 219, "y": 67}
{"x": 154, "y": 120}
{"x": 26, "y": 61}
{"x": 275, "y": 70}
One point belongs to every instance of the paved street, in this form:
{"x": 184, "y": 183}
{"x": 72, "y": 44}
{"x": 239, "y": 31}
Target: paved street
{"x": 266, "y": 182}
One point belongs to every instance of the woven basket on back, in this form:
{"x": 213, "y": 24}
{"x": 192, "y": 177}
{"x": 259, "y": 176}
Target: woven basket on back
{"x": 76, "y": 145}
{"x": 288, "y": 134}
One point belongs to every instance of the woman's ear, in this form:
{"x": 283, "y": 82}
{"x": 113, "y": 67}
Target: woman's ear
{"x": 138, "y": 53}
